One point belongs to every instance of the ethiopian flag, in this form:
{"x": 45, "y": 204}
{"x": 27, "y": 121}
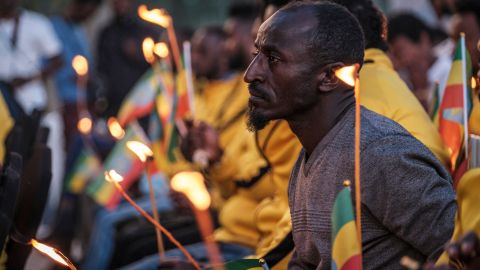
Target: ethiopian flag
{"x": 346, "y": 251}
{"x": 451, "y": 113}
{"x": 87, "y": 167}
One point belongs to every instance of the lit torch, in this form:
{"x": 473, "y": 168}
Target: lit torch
{"x": 115, "y": 128}
{"x": 52, "y": 253}
{"x": 161, "y": 18}
{"x": 80, "y": 65}
{"x": 349, "y": 75}
{"x": 115, "y": 178}
{"x": 193, "y": 186}
{"x": 145, "y": 154}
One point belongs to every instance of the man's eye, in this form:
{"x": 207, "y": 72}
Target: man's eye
{"x": 273, "y": 59}
{"x": 255, "y": 53}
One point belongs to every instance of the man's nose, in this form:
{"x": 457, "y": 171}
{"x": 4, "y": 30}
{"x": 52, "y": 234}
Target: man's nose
{"x": 254, "y": 71}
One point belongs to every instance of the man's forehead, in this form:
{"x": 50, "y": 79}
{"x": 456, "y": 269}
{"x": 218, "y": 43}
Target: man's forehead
{"x": 286, "y": 26}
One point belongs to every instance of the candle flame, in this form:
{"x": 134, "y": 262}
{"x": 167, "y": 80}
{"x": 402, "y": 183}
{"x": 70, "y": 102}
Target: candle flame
{"x": 157, "y": 16}
{"x": 473, "y": 83}
{"x": 84, "y": 125}
{"x": 80, "y": 65}
{"x": 347, "y": 74}
{"x": 192, "y": 185}
{"x": 161, "y": 49}
{"x": 113, "y": 176}
{"x": 147, "y": 47}
{"x": 49, "y": 251}
{"x": 142, "y": 151}
{"x": 115, "y": 128}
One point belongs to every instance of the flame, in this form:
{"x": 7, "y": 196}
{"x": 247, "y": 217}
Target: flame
{"x": 49, "y": 251}
{"x": 80, "y": 65}
{"x": 115, "y": 128}
{"x": 347, "y": 74}
{"x": 84, "y": 125}
{"x": 473, "y": 83}
{"x": 192, "y": 185}
{"x": 161, "y": 49}
{"x": 156, "y": 16}
{"x": 113, "y": 176}
{"x": 142, "y": 151}
{"x": 147, "y": 47}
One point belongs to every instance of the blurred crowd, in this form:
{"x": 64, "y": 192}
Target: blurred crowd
{"x": 52, "y": 185}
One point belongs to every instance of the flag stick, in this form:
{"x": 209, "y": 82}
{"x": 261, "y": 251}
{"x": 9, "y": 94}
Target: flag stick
{"x": 465, "y": 93}
{"x": 188, "y": 74}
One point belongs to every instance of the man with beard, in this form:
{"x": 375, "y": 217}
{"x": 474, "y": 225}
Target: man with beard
{"x": 408, "y": 202}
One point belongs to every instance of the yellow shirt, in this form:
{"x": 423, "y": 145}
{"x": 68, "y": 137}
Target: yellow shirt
{"x": 384, "y": 92}
{"x": 5, "y": 127}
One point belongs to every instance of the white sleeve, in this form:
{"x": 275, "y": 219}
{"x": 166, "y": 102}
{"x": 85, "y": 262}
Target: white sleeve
{"x": 48, "y": 43}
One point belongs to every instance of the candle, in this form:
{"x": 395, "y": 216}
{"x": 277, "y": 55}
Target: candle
{"x": 115, "y": 128}
{"x": 192, "y": 185}
{"x": 115, "y": 178}
{"x": 349, "y": 75}
{"x": 161, "y": 18}
{"x": 52, "y": 253}
{"x": 145, "y": 154}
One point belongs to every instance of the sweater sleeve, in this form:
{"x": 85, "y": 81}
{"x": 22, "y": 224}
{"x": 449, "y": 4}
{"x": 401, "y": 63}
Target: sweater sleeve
{"x": 409, "y": 192}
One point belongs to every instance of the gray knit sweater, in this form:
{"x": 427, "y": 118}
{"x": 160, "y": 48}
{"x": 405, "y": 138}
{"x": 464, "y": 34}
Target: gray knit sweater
{"x": 408, "y": 202}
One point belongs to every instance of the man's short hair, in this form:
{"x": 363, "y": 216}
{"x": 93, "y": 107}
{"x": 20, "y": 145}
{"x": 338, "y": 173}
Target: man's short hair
{"x": 407, "y": 25}
{"x": 337, "y": 37}
{"x": 214, "y": 30}
{"x": 468, "y": 6}
{"x": 372, "y": 20}
{"x": 244, "y": 10}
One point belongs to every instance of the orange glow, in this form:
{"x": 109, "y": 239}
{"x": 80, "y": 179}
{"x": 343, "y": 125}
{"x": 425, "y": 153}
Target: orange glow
{"x": 161, "y": 49}
{"x": 347, "y": 74}
{"x": 141, "y": 150}
{"x": 157, "y": 16}
{"x": 147, "y": 47}
{"x": 192, "y": 185}
{"x": 474, "y": 83}
{"x": 115, "y": 128}
{"x": 113, "y": 176}
{"x": 80, "y": 65}
{"x": 49, "y": 251}
{"x": 84, "y": 125}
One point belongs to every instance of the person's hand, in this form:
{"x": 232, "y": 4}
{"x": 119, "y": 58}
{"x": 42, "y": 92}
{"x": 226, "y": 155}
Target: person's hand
{"x": 465, "y": 252}
{"x": 201, "y": 138}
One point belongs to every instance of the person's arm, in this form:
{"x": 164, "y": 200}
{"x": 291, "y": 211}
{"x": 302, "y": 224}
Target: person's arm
{"x": 409, "y": 192}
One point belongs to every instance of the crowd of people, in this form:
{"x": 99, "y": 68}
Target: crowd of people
{"x": 269, "y": 124}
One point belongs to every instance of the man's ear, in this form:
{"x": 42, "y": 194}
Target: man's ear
{"x": 326, "y": 79}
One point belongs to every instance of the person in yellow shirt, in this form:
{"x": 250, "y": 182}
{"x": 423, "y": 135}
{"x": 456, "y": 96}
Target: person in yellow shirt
{"x": 385, "y": 93}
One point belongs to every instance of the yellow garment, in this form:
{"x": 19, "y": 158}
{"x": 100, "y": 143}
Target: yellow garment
{"x": 384, "y": 92}
{"x": 263, "y": 204}
{"x": 474, "y": 120}
{"x": 468, "y": 200}
{"x": 7, "y": 124}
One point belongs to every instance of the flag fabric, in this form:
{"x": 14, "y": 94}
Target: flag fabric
{"x": 122, "y": 160}
{"x": 451, "y": 114}
{"x": 346, "y": 250}
{"x": 141, "y": 99}
{"x": 86, "y": 167}
{"x": 244, "y": 264}
{"x": 435, "y": 104}
{"x": 474, "y": 120}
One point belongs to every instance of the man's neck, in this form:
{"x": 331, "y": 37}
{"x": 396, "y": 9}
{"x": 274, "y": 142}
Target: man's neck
{"x": 312, "y": 126}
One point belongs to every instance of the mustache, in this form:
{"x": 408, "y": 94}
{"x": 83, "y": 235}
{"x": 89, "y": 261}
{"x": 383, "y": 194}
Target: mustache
{"x": 256, "y": 90}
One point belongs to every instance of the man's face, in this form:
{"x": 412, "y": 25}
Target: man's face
{"x": 468, "y": 24}
{"x": 207, "y": 52}
{"x": 281, "y": 80}
{"x": 239, "y": 43}
{"x": 407, "y": 52}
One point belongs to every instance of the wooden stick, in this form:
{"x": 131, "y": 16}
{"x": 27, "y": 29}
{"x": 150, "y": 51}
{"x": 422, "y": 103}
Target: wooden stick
{"x": 357, "y": 162}
{"x": 174, "y": 44}
{"x": 153, "y": 202}
{"x": 205, "y": 225}
{"x": 157, "y": 225}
